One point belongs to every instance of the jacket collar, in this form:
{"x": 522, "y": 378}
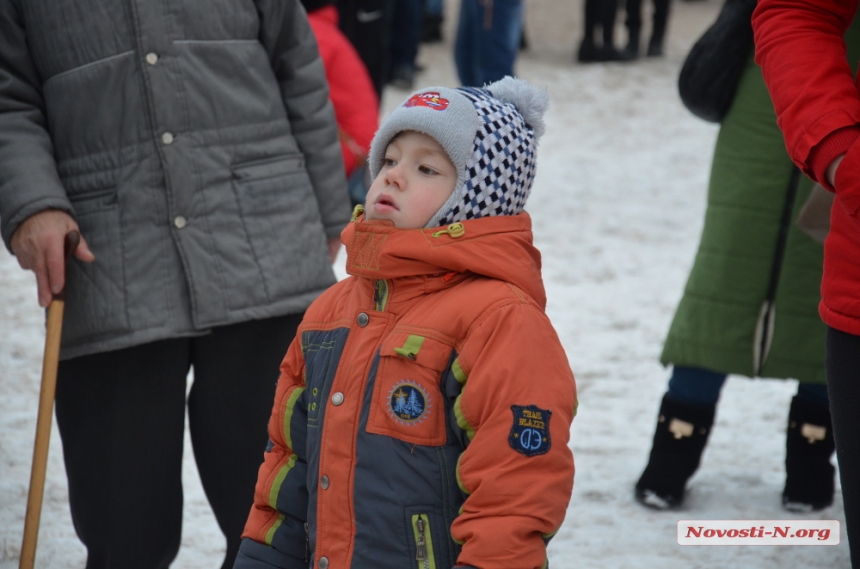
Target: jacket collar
{"x": 497, "y": 247}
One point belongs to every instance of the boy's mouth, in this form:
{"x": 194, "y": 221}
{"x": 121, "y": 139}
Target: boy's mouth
{"x": 385, "y": 202}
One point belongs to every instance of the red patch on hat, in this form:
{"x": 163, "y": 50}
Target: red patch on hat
{"x": 430, "y": 100}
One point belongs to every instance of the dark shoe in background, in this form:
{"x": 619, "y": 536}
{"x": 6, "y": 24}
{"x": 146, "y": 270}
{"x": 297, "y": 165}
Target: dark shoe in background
{"x": 629, "y": 53}
{"x": 679, "y": 440}
{"x": 431, "y": 29}
{"x": 631, "y": 50}
{"x": 655, "y": 44}
{"x": 589, "y": 52}
{"x": 654, "y": 50}
{"x": 608, "y": 53}
{"x": 809, "y": 474}
{"x": 402, "y": 77}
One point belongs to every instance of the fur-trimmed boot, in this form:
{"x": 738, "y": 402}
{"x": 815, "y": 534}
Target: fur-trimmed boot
{"x": 679, "y": 439}
{"x": 809, "y": 474}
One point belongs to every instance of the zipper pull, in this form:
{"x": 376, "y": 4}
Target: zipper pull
{"x": 455, "y": 230}
{"x": 307, "y": 543}
{"x": 421, "y": 549}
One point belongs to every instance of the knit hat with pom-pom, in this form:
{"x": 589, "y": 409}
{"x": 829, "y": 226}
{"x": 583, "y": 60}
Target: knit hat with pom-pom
{"x": 490, "y": 134}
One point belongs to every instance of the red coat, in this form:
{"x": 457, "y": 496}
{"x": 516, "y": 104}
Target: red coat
{"x": 800, "y": 48}
{"x": 356, "y": 106}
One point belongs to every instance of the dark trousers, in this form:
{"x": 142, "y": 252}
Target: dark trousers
{"x": 121, "y": 416}
{"x": 660, "y": 19}
{"x": 699, "y": 386}
{"x": 405, "y": 32}
{"x": 843, "y": 383}
{"x": 366, "y": 23}
{"x": 600, "y": 13}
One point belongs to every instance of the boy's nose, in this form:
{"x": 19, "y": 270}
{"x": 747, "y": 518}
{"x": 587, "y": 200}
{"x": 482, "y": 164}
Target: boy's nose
{"x": 394, "y": 176}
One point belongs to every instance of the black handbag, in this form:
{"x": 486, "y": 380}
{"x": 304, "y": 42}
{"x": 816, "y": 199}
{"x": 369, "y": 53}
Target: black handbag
{"x": 710, "y": 74}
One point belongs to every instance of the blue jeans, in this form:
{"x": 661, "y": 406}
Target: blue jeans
{"x": 488, "y": 37}
{"x": 700, "y": 386}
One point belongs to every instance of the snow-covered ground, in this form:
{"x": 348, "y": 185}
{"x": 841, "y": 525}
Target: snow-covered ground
{"x": 618, "y": 206}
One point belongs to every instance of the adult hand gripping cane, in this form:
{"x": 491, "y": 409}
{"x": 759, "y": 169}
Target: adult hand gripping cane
{"x": 36, "y": 249}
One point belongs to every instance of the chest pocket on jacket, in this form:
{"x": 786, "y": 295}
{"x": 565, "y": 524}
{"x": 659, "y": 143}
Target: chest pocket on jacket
{"x": 407, "y": 401}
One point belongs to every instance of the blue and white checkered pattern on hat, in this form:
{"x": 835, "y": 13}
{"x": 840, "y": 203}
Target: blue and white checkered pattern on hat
{"x": 501, "y": 170}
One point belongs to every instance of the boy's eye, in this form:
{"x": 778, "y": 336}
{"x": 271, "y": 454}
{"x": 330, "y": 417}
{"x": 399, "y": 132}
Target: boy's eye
{"x": 427, "y": 170}
{"x": 388, "y": 161}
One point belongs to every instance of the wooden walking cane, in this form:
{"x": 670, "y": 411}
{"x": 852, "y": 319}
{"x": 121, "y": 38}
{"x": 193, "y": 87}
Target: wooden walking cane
{"x": 50, "y": 362}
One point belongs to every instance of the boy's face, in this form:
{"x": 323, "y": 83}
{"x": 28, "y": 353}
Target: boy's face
{"x": 416, "y": 178}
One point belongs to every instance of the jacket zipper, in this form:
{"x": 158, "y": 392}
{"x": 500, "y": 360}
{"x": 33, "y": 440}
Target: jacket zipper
{"x": 380, "y": 294}
{"x": 423, "y": 542}
{"x": 307, "y": 543}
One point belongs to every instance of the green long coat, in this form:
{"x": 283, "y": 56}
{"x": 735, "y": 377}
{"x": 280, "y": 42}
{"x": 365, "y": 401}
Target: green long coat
{"x": 750, "y": 306}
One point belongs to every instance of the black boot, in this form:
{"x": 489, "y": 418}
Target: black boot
{"x": 809, "y": 474}
{"x": 631, "y": 50}
{"x": 658, "y": 29}
{"x": 431, "y": 29}
{"x": 587, "y": 51}
{"x": 655, "y": 48}
{"x": 681, "y": 434}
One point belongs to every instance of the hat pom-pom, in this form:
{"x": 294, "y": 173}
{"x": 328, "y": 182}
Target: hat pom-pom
{"x": 529, "y": 100}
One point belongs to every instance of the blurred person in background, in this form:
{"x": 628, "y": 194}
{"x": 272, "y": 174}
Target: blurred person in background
{"x": 801, "y": 50}
{"x": 367, "y": 25}
{"x": 194, "y": 148}
{"x": 633, "y": 23}
{"x": 749, "y": 308}
{"x": 405, "y": 34}
{"x": 431, "y": 25}
{"x": 599, "y": 15}
{"x": 488, "y": 40}
{"x": 356, "y": 106}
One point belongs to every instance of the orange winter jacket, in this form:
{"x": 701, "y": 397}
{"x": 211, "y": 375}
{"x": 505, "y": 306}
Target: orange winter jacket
{"x": 423, "y": 412}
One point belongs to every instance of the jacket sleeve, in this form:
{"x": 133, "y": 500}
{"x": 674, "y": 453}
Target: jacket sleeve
{"x": 275, "y": 534}
{"x": 516, "y": 407}
{"x": 289, "y": 41}
{"x": 354, "y": 99}
{"x": 29, "y": 182}
{"x": 352, "y": 94}
{"x": 800, "y": 47}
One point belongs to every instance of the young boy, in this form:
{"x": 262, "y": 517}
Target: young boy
{"x": 423, "y": 411}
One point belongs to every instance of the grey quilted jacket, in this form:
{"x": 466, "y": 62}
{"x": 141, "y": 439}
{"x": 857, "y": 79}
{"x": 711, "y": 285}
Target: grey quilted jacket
{"x": 196, "y": 147}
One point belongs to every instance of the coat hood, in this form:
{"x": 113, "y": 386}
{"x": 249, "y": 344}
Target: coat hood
{"x": 496, "y": 247}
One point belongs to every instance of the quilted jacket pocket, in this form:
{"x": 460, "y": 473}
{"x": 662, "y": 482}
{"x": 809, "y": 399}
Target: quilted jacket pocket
{"x": 281, "y": 219}
{"x": 95, "y": 293}
{"x": 407, "y": 400}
